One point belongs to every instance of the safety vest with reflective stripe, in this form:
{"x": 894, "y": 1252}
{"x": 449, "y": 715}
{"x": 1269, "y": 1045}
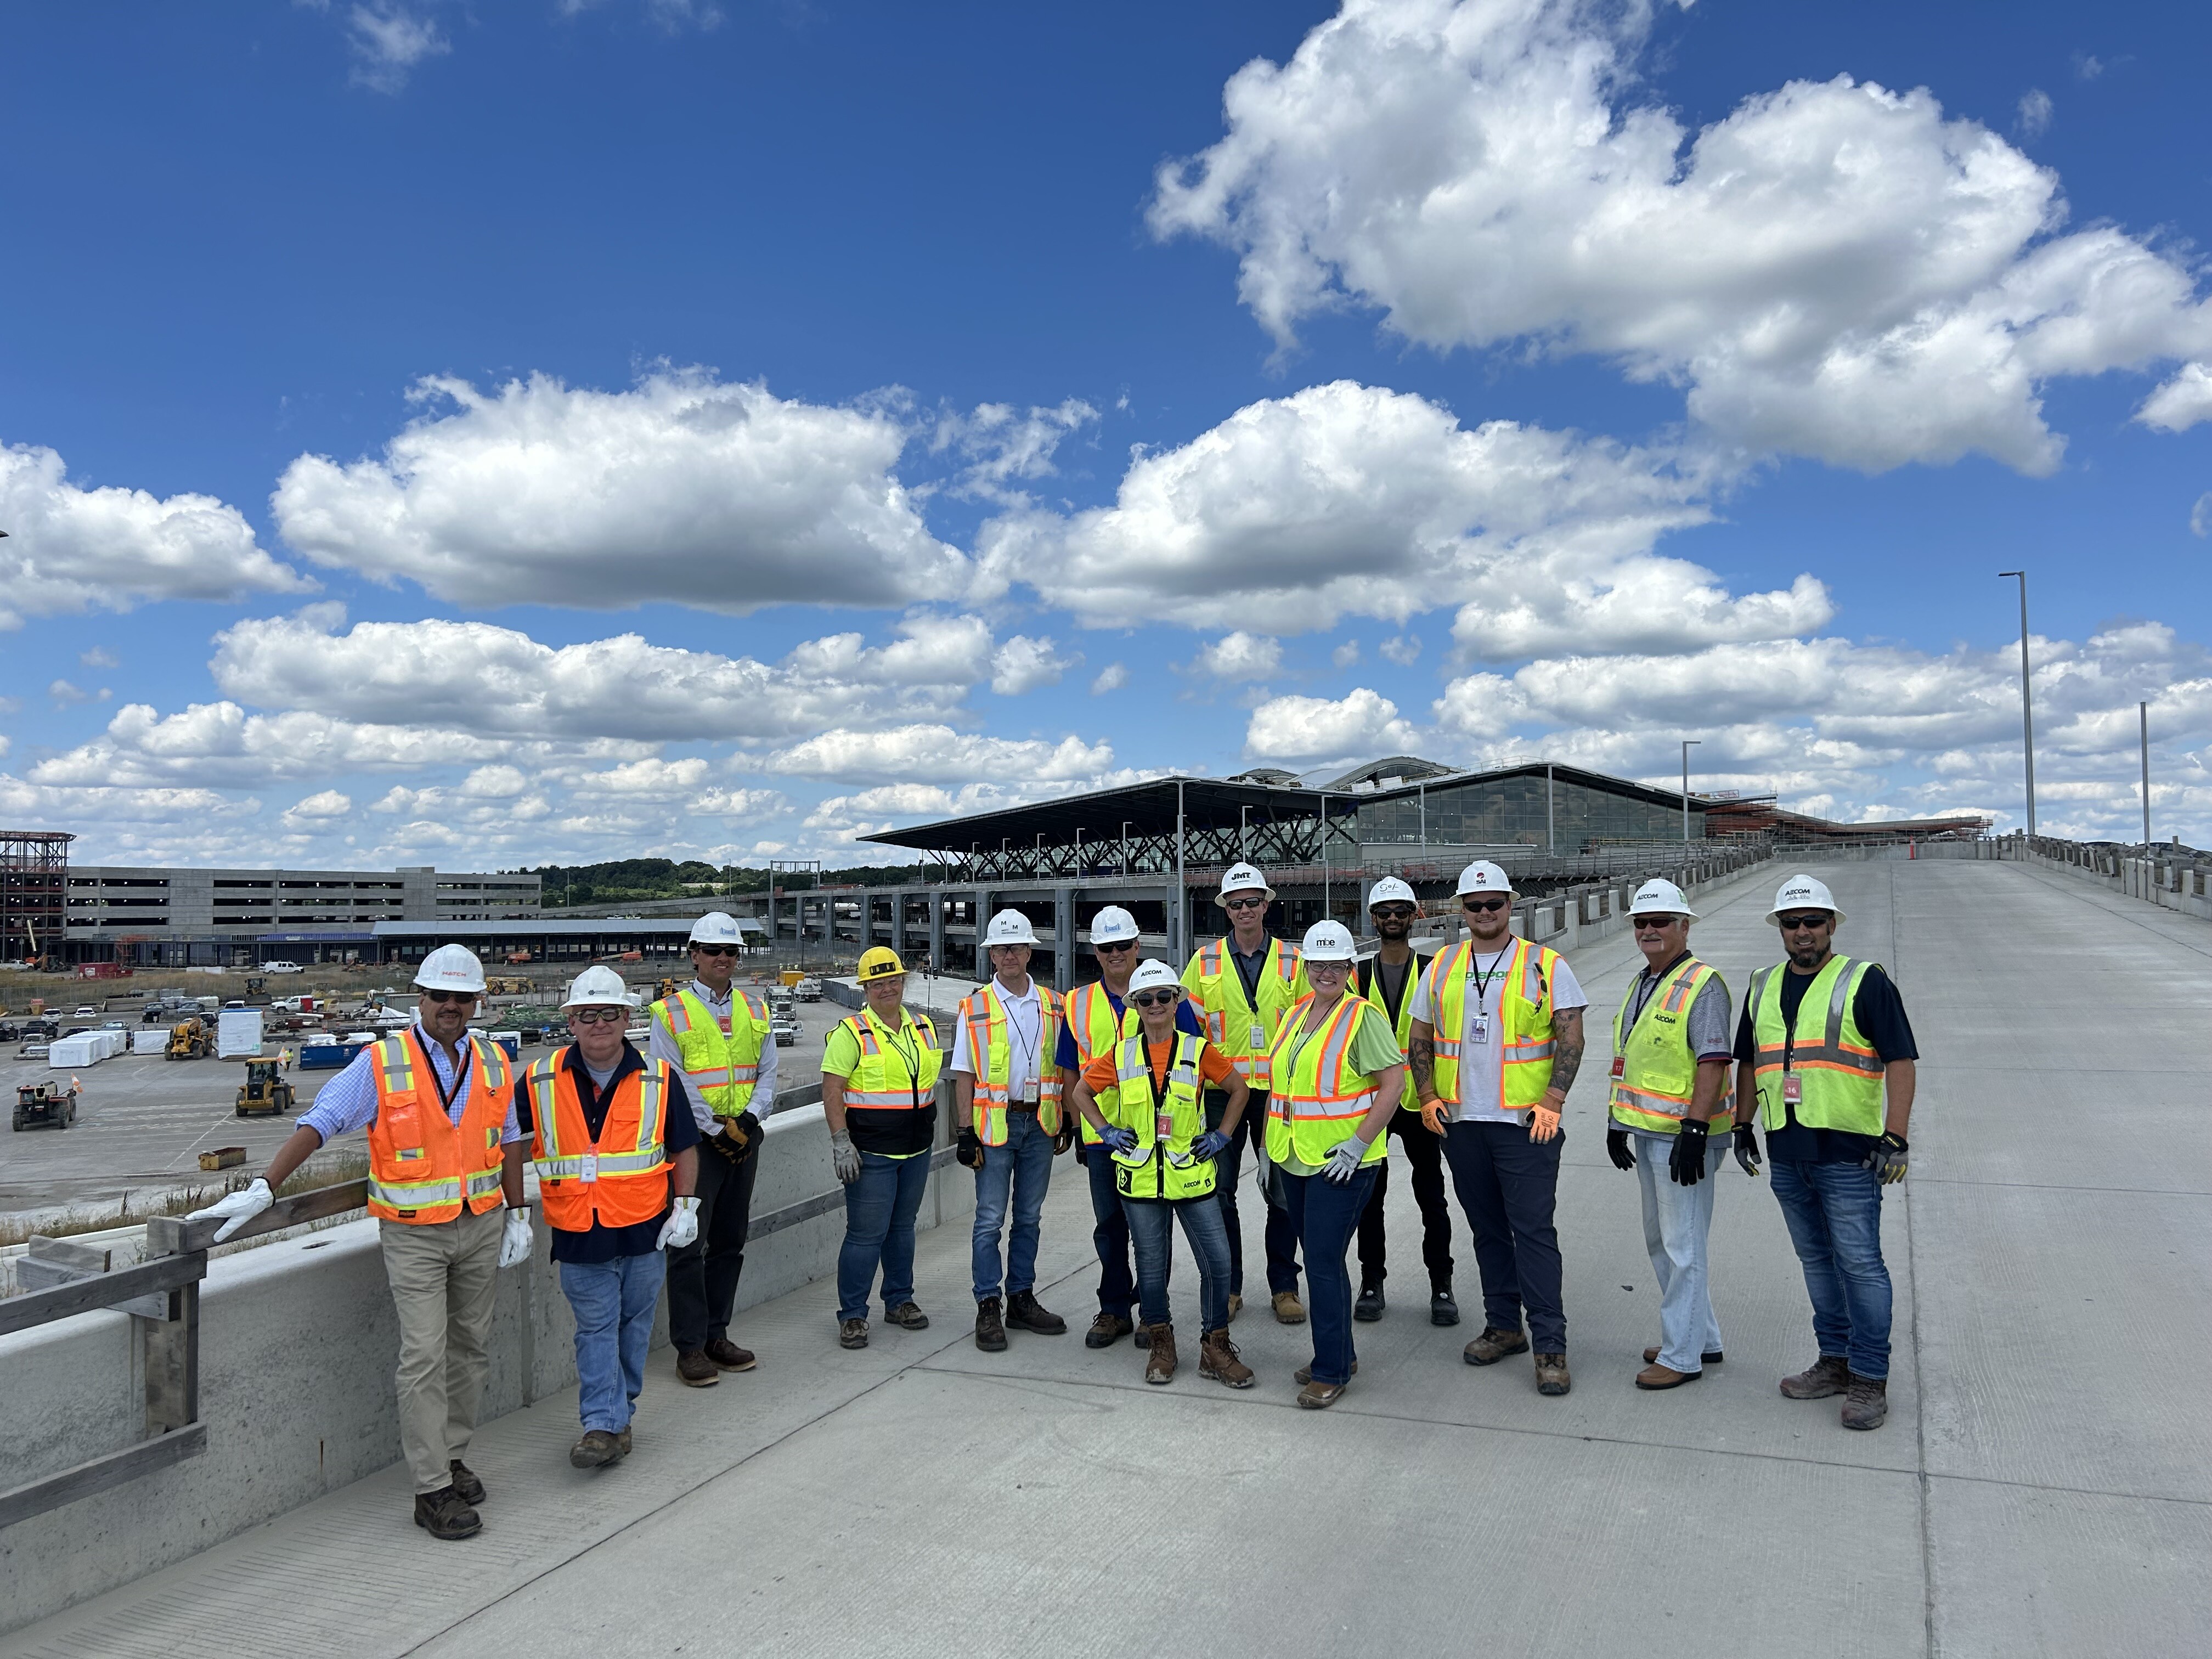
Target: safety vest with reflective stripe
{"x": 721, "y": 1063}
{"x": 1657, "y": 1071}
{"x": 1318, "y": 1100}
{"x": 1162, "y": 1166}
{"x": 423, "y": 1166}
{"x": 992, "y": 1060}
{"x": 1839, "y": 1076}
{"x": 1090, "y": 1018}
{"x": 1409, "y": 1098}
{"x": 618, "y": 1180}
{"x": 1246, "y": 1034}
{"x": 881, "y": 1082}
{"x": 1525, "y": 1011}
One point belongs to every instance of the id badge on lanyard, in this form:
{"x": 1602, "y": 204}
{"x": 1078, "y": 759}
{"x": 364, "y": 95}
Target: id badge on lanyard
{"x": 1793, "y": 1089}
{"x": 1620, "y": 1067}
{"x": 1478, "y": 1027}
{"x": 1258, "y": 1037}
{"x": 591, "y": 1171}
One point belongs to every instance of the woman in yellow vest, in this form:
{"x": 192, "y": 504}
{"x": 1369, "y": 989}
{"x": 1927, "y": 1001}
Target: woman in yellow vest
{"x": 1336, "y": 1072}
{"x": 880, "y": 1096}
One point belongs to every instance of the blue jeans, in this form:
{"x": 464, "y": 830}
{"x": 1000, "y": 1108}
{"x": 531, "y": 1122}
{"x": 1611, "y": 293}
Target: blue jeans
{"x": 1024, "y": 1165}
{"x": 1208, "y": 1235}
{"x": 1117, "y": 1288}
{"x": 613, "y": 1303}
{"x": 1834, "y": 1213}
{"x": 1325, "y": 1215}
{"x": 1676, "y": 1223}
{"x": 1508, "y": 1185}
{"x": 879, "y": 1211}
{"x": 1281, "y": 1237}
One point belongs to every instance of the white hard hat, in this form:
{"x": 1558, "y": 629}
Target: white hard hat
{"x": 598, "y": 987}
{"x": 1391, "y": 891}
{"x": 1660, "y": 897}
{"x": 1483, "y": 876}
{"x": 1112, "y": 925}
{"x": 1329, "y": 941}
{"x": 1244, "y": 878}
{"x": 450, "y": 967}
{"x": 1804, "y": 893}
{"x": 1009, "y": 928}
{"x": 1152, "y": 973}
{"x": 717, "y": 927}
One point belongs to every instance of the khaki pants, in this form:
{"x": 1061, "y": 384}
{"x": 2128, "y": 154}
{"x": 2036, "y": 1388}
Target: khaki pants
{"x": 444, "y": 1276}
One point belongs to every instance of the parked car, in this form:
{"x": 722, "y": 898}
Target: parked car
{"x": 786, "y": 1031}
{"x": 10, "y": 1033}
{"x": 86, "y": 1011}
{"x": 282, "y": 967}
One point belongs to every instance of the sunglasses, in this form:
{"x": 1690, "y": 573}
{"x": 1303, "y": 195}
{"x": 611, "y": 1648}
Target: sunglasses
{"x": 1482, "y": 905}
{"x": 1244, "y": 904}
{"x": 1392, "y": 912}
{"x": 1156, "y": 999}
{"x": 442, "y": 998}
{"x": 1657, "y": 924}
{"x": 1114, "y": 947}
{"x": 713, "y": 949}
{"x": 1794, "y": 924}
{"x": 597, "y": 1016}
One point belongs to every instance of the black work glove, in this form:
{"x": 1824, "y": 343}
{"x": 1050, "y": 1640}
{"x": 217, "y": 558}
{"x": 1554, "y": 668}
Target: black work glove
{"x": 1064, "y": 1140}
{"x": 1617, "y": 1148}
{"x": 1687, "y": 1162}
{"x": 969, "y": 1151}
{"x": 1746, "y": 1150}
{"x": 745, "y": 1130}
{"x": 1888, "y": 1160}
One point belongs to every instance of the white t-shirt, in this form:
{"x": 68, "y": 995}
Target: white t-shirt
{"x": 1479, "y": 1063}
{"x": 1025, "y": 1031}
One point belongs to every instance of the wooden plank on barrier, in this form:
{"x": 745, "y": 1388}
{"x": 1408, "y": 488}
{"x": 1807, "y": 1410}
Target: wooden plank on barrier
{"x": 36, "y": 1498}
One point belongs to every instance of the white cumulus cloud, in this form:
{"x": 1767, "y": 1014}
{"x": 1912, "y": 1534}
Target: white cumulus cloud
{"x": 2182, "y": 401}
{"x": 1112, "y": 677}
{"x": 1022, "y": 663}
{"x": 917, "y": 753}
{"x": 1361, "y": 723}
{"x": 1239, "y": 656}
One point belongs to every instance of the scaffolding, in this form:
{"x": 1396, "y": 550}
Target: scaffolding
{"x": 34, "y": 888}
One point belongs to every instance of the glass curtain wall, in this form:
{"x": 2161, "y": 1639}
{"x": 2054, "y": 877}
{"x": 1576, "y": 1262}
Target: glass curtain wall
{"x": 1510, "y": 811}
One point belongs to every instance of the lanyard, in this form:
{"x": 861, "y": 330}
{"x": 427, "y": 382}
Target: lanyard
{"x": 1647, "y": 983}
{"x": 907, "y": 1048}
{"x": 446, "y": 1096}
{"x": 1482, "y": 981}
{"x": 1013, "y": 1030}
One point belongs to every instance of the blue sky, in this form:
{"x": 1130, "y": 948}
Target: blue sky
{"x": 884, "y": 321}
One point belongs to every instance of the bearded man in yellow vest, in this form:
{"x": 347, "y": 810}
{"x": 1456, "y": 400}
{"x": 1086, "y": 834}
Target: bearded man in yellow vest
{"x": 1826, "y": 1057}
{"x": 1242, "y": 985}
{"x": 444, "y": 1149}
{"x": 1497, "y": 1040}
{"x": 717, "y": 1035}
{"x": 1007, "y": 1105}
{"x": 1670, "y": 1065}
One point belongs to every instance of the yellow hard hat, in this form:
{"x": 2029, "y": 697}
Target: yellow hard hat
{"x": 880, "y": 962}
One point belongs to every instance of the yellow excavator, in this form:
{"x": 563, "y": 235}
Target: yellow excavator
{"x": 188, "y": 1040}
{"x": 264, "y": 1093}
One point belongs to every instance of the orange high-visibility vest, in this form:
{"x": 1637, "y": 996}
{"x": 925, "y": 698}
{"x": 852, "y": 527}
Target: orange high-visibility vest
{"x": 423, "y": 1166}
{"x": 619, "y": 1179}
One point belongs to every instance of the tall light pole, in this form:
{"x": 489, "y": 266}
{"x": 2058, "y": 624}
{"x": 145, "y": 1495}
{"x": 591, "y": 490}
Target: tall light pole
{"x": 2027, "y": 706}
{"x": 2142, "y": 720}
{"x": 1245, "y": 832}
{"x": 1688, "y": 744}
{"x": 1125, "y": 846}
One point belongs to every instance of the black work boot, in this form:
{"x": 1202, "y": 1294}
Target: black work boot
{"x": 1023, "y": 1310}
{"x": 1369, "y": 1307}
{"x": 990, "y": 1326}
{"x": 1442, "y": 1309}
{"x": 465, "y": 1483}
{"x": 443, "y": 1514}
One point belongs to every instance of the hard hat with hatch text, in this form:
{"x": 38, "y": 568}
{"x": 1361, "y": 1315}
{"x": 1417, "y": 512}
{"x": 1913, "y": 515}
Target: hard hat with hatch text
{"x": 1803, "y": 892}
{"x": 717, "y": 927}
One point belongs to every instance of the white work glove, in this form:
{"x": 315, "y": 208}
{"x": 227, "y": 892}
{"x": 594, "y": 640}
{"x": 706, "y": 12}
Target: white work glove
{"x": 1344, "y": 1163}
{"x": 682, "y": 1226}
{"x": 515, "y": 1241}
{"x": 240, "y": 1206}
{"x": 844, "y": 1157}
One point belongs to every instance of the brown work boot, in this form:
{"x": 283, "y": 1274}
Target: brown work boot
{"x": 695, "y": 1370}
{"x": 1827, "y": 1375}
{"x": 1217, "y": 1359}
{"x": 990, "y": 1326}
{"x": 443, "y": 1514}
{"x": 1236, "y": 1305}
{"x": 1023, "y": 1310}
{"x": 1655, "y": 1376}
{"x": 1289, "y": 1311}
{"x": 1710, "y": 1357}
{"x": 1866, "y": 1402}
{"x": 852, "y": 1334}
{"x": 1106, "y": 1330}
{"x": 1305, "y": 1373}
{"x": 1144, "y": 1338}
{"x": 1316, "y": 1395}
{"x": 623, "y": 1441}
{"x": 596, "y": 1449}
{"x": 1494, "y": 1345}
{"x": 1551, "y": 1374}
{"x": 465, "y": 1483}
{"x": 729, "y": 1356}
{"x": 908, "y": 1317}
{"x": 1160, "y": 1361}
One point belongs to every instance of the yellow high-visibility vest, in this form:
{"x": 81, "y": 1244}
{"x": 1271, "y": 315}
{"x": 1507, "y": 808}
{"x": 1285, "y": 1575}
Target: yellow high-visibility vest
{"x": 1525, "y": 1011}
{"x": 1657, "y": 1070}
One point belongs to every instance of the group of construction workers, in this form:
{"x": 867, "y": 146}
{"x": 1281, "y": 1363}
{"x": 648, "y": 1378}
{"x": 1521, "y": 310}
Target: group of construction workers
{"x": 1315, "y": 1056}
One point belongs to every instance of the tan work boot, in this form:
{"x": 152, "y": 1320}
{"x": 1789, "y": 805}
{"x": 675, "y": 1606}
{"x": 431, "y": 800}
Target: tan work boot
{"x": 1655, "y": 1376}
{"x": 1305, "y": 1373}
{"x": 1316, "y": 1395}
{"x": 1827, "y": 1375}
{"x": 1160, "y": 1357}
{"x": 1217, "y": 1359}
{"x": 1289, "y": 1311}
{"x": 1236, "y": 1305}
{"x": 1710, "y": 1357}
{"x": 1866, "y": 1402}
{"x": 1494, "y": 1345}
{"x": 1551, "y": 1374}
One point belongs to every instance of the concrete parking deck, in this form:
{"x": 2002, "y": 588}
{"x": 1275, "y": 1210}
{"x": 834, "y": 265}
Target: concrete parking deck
{"x": 2044, "y": 1484}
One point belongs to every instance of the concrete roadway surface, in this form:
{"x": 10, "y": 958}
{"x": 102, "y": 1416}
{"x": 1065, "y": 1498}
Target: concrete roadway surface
{"x": 142, "y": 1121}
{"x": 2044, "y": 1483}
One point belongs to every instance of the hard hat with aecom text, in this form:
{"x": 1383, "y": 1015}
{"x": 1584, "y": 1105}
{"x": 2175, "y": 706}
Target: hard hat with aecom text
{"x": 1151, "y": 975}
{"x": 1483, "y": 876}
{"x": 450, "y": 967}
{"x": 1660, "y": 897}
{"x": 598, "y": 987}
{"x": 1329, "y": 941}
{"x": 1244, "y": 878}
{"x": 1391, "y": 891}
{"x": 716, "y": 928}
{"x": 1009, "y": 928}
{"x": 1112, "y": 925}
{"x": 878, "y": 962}
{"x": 1804, "y": 893}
